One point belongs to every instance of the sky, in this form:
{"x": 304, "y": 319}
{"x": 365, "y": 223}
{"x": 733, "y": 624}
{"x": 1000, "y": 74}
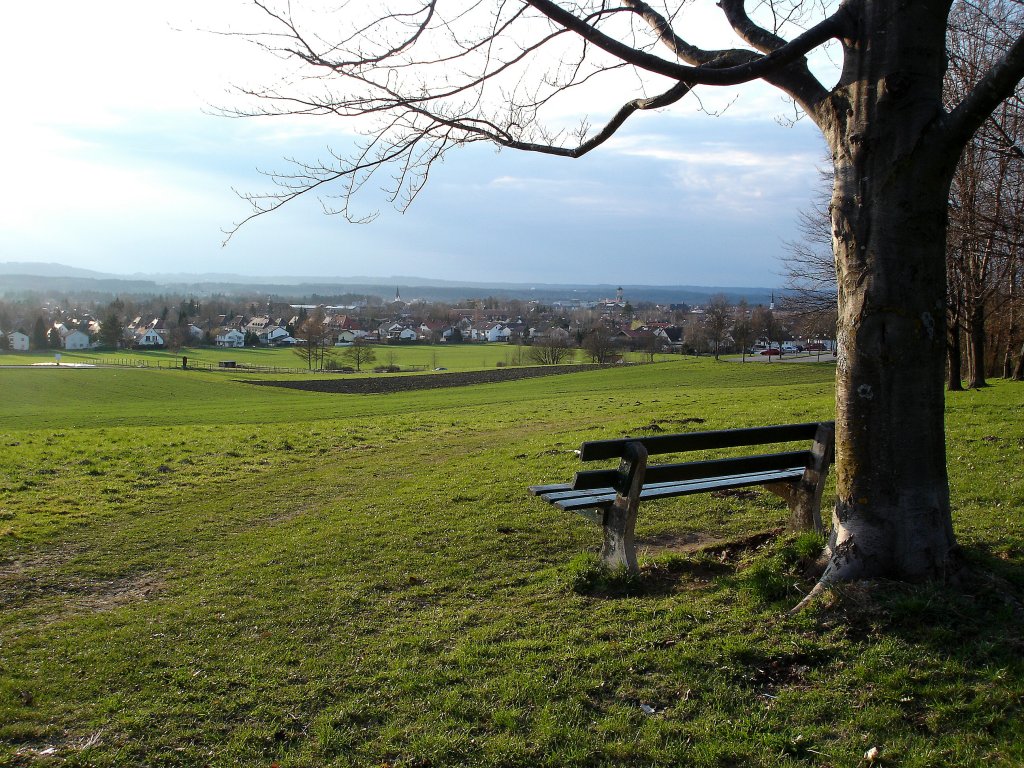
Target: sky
{"x": 117, "y": 161}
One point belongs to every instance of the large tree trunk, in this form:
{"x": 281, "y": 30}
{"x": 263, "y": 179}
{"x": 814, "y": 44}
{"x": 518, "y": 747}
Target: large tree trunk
{"x": 889, "y": 206}
{"x": 1018, "y": 371}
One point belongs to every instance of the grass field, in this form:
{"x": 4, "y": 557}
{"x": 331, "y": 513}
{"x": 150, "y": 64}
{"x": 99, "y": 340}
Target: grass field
{"x": 194, "y": 571}
{"x": 453, "y": 357}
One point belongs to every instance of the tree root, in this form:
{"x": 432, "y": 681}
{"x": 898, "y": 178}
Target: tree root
{"x": 834, "y": 574}
{"x": 843, "y": 566}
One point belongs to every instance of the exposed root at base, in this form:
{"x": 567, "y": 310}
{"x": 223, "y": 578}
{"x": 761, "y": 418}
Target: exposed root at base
{"x": 833, "y": 574}
{"x": 816, "y": 592}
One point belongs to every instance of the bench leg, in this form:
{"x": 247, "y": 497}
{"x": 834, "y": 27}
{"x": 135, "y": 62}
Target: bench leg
{"x": 804, "y": 505}
{"x": 804, "y": 496}
{"x": 619, "y": 550}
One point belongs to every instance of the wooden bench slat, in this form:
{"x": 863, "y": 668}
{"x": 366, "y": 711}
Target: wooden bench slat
{"x": 574, "y": 500}
{"x": 701, "y": 441}
{"x": 694, "y": 470}
{"x": 540, "y": 490}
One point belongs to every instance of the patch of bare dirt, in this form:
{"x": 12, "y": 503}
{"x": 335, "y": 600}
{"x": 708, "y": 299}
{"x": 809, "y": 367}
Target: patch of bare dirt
{"x": 693, "y": 542}
{"x": 721, "y": 557}
{"x": 16, "y": 567}
{"x": 676, "y": 542}
{"x": 57, "y": 751}
{"x": 735, "y": 493}
{"x": 25, "y": 583}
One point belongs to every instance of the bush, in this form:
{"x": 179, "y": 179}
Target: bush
{"x": 334, "y": 365}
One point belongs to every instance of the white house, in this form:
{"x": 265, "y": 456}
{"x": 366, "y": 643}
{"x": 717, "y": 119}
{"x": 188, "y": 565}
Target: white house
{"x": 390, "y": 330}
{"x": 398, "y": 332}
{"x": 147, "y": 337}
{"x": 229, "y": 337}
{"x": 19, "y": 341}
{"x": 274, "y": 335}
{"x": 258, "y": 325}
{"x": 348, "y": 336}
{"x": 76, "y": 340}
{"x": 498, "y": 332}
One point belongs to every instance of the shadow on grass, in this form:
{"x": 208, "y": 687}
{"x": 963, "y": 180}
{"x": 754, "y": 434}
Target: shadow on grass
{"x": 588, "y": 577}
{"x": 976, "y": 618}
{"x": 755, "y": 562}
{"x": 1006, "y": 563}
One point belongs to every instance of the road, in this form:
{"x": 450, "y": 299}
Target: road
{"x": 797, "y": 357}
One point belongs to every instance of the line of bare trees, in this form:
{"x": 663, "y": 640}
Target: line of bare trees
{"x": 986, "y": 211}
{"x": 985, "y": 241}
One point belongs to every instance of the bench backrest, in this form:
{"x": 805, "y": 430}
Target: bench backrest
{"x": 634, "y": 452}
{"x": 694, "y": 470}
{"x": 700, "y": 441}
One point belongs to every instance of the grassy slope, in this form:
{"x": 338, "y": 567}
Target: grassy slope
{"x": 199, "y": 571}
{"x": 454, "y": 357}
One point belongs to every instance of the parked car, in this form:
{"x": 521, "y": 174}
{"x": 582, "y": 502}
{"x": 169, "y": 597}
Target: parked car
{"x": 816, "y": 347}
{"x": 770, "y": 352}
{"x": 792, "y": 348}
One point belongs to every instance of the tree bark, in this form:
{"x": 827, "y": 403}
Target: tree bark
{"x": 1018, "y": 371}
{"x": 889, "y": 208}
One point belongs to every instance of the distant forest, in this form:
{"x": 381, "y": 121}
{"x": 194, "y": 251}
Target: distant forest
{"x": 20, "y": 280}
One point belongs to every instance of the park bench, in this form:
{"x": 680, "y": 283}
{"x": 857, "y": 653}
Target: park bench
{"x": 612, "y": 496}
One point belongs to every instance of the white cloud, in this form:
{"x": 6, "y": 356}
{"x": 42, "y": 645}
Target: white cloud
{"x": 728, "y": 176}
{"x": 581, "y": 195}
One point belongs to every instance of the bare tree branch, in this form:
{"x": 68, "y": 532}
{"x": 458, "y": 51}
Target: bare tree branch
{"x": 733, "y": 66}
{"x": 997, "y": 84}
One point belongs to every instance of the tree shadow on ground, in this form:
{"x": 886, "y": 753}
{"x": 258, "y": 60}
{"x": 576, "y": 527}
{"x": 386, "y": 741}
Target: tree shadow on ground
{"x": 976, "y": 616}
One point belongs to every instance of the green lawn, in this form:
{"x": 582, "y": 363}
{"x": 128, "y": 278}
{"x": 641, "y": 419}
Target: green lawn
{"x": 453, "y": 357}
{"x": 194, "y": 571}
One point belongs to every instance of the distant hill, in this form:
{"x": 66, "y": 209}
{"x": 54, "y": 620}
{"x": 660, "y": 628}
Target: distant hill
{"x": 47, "y": 269}
{"x": 21, "y": 277}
